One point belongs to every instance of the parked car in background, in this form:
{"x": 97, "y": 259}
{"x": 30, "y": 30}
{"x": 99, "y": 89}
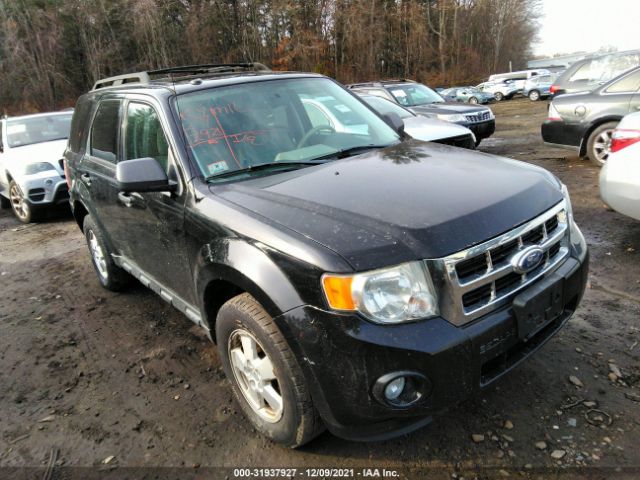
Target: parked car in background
{"x": 590, "y": 73}
{"x": 357, "y": 280}
{"x": 585, "y": 121}
{"x": 31, "y": 169}
{"x": 421, "y": 127}
{"x": 504, "y": 90}
{"x": 518, "y": 78}
{"x": 620, "y": 176}
{"x": 422, "y": 100}
{"x": 470, "y": 95}
{"x": 538, "y": 87}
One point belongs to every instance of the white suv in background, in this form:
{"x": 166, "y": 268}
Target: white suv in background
{"x": 620, "y": 175}
{"x": 500, "y": 90}
{"x": 31, "y": 168}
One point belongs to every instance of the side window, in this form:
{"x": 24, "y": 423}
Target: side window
{"x": 144, "y": 136}
{"x": 630, "y": 83}
{"x": 104, "y": 132}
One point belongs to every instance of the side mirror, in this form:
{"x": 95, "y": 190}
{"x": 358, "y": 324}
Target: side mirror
{"x": 142, "y": 175}
{"x": 394, "y": 121}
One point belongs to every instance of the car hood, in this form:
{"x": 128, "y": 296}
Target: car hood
{"x": 446, "y": 107}
{"x": 51, "y": 152}
{"x": 411, "y": 201}
{"x": 429, "y": 129}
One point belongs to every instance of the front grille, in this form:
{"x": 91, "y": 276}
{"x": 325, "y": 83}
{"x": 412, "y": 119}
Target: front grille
{"x": 482, "y": 278}
{"x": 478, "y": 116}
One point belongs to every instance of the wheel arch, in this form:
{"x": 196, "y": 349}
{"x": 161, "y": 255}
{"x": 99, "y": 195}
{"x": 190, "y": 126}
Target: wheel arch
{"x": 79, "y": 213}
{"x": 592, "y": 127}
{"x": 232, "y": 267}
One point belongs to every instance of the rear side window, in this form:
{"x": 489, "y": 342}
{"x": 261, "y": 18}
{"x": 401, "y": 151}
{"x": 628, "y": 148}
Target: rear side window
{"x": 104, "y": 132}
{"x": 79, "y": 124}
{"x": 630, "y": 83}
{"x": 144, "y": 136}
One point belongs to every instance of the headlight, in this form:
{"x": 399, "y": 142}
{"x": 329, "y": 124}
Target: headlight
{"x": 567, "y": 199}
{"x": 453, "y": 117}
{"x": 389, "y": 295}
{"x": 491, "y": 115}
{"x": 33, "y": 168}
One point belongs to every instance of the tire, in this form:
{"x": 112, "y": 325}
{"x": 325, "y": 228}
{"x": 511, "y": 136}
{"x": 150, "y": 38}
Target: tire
{"x": 599, "y": 143}
{"x": 473, "y": 100}
{"x": 109, "y": 274}
{"x": 22, "y": 209}
{"x": 4, "y": 203}
{"x": 499, "y": 96}
{"x": 291, "y": 421}
{"x": 534, "y": 95}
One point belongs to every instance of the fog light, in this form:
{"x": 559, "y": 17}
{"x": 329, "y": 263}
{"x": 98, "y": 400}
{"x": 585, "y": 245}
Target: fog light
{"x": 394, "y": 388}
{"x": 401, "y": 389}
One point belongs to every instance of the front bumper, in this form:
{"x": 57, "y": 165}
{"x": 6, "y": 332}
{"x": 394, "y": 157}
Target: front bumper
{"x": 481, "y": 129}
{"x": 44, "y": 190}
{"x": 342, "y": 356}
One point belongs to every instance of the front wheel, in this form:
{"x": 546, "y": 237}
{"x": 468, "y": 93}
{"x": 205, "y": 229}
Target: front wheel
{"x": 265, "y": 377}
{"x": 599, "y": 143}
{"x": 20, "y": 205}
{"x": 499, "y": 97}
{"x": 534, "y": 95}
{"x": 473, "y": 100}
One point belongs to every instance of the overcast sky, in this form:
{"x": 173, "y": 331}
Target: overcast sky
{"x": 575, "y": 25}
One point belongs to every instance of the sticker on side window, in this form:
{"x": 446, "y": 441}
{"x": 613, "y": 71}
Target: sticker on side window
{"x": 342, "y": 108}
{"x": 399, "y": 93}
{"x": 217, "y": 167}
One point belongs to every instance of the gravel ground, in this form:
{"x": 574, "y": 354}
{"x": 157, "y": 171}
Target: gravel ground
{"x": 115, "y": 382}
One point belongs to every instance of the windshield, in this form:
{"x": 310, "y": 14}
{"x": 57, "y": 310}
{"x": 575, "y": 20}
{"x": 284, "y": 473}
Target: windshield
{"x": 43, "y": 128}
{"x": 384, "y": 107}
{"x": 238, "y": 127}
{"x": 414, "y": 94}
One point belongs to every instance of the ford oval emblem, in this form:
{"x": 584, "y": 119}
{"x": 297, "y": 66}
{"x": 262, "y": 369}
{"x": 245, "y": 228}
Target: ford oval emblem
{"x": 528, "y": 259}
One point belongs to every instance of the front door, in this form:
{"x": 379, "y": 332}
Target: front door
{"x": 152, "y": 223}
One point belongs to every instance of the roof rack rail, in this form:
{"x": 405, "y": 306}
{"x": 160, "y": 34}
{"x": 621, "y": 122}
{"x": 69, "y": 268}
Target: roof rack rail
{"x": 208, "y": 68}
{"x": 212, "y": 68}
{"x": 139, "y": 77}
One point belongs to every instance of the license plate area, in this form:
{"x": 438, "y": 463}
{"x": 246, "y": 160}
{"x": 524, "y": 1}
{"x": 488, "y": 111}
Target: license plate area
{"x": 537, "y": 306}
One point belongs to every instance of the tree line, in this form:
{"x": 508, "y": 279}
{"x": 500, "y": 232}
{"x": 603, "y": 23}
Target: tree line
{"x": 51, "y": 51}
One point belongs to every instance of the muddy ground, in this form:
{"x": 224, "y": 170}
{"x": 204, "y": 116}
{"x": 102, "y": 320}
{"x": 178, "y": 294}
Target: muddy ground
{"x": 87, "y": 374}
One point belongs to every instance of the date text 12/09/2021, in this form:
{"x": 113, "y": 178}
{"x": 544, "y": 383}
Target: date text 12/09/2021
{"x": 315, "y": 473}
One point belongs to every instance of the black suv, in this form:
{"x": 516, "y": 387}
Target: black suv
{"x": 351, "y": 279}
{"x": 422, "y": 100}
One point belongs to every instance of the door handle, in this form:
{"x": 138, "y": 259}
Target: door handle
{"x": 86, "y": 179}
{"x": 131, "y": 199}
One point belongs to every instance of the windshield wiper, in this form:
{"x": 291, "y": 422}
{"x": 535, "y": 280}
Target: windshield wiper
{"x": 263, "y": 166}
{"x": 349, "y": 152}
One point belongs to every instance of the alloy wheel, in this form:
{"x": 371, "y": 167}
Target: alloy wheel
{"x": 98, "y": 255}
{"x": 602, "y": 146}
{"x": 18, "y": 203}
{"x": 534, "y": 96}
{"x": 253, "y": 372}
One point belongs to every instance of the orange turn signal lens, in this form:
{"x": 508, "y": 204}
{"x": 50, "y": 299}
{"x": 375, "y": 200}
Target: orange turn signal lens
{"x": 338, "y": 292}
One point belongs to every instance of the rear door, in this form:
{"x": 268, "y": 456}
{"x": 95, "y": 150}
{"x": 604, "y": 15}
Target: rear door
{"x": 96, "y": 171}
